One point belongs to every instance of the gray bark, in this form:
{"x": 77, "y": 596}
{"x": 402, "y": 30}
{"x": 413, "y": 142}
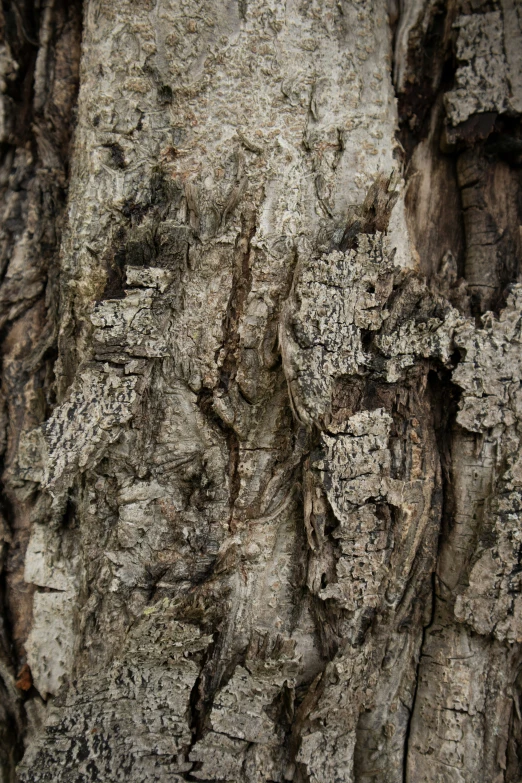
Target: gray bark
{"x": 261, "y": 391}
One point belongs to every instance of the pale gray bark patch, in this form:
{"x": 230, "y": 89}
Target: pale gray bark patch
{"x": 132, "y": 717}
{"x": 481, "y": 77}
{"x": 490, "y": 377}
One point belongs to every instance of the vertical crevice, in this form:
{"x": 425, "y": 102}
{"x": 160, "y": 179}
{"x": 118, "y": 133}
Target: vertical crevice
{"x": 38, "y": 108}
{"x": 463, "y": 206}
{"x": 241, "y": 284}
{"x": 408, "y": 731}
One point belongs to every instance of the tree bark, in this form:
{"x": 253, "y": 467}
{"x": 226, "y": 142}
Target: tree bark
{"x": 261, "y": 389}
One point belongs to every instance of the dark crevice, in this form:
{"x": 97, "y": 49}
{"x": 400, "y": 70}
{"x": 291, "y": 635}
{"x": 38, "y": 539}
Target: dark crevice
{"x": 12, "y": 722}
{"x": 34, "y": 164}
{"x": 215, "y": 672}
{"x": 431, "y": 68}
{"x": 21, "y": 30}
{"x": 407, "y": 736}
{"x": 148, "y": 239}
{"x": 445, "y": 398}
{"x": 241, "y": 283}
{"x": 489, "y": 142}
{"x": 212, "y": 677}
{"x": 233, "y": 470}
{"x": 200, "y": 701}
{"x": 373, "y": 215}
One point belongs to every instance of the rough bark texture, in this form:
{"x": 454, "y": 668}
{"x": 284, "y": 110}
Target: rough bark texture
{"x": 261, "y": 391}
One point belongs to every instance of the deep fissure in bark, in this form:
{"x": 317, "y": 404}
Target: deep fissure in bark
{"x": 37, "y": 127}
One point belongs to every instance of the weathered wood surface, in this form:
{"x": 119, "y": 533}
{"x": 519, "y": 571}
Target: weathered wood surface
{"x": 261, "y": 391}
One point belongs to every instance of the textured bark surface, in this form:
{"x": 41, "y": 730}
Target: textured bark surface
{"x": 261, "y": 391}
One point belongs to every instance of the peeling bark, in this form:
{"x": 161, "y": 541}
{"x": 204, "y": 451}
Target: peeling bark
{"x": 261, "y": 412}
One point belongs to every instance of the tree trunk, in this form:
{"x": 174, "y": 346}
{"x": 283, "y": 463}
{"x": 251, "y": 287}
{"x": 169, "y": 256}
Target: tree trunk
{"x": 261, "y": 391}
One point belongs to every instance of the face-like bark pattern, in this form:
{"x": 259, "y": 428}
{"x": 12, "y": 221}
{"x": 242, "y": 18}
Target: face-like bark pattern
{"x": 274, "y": 511}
